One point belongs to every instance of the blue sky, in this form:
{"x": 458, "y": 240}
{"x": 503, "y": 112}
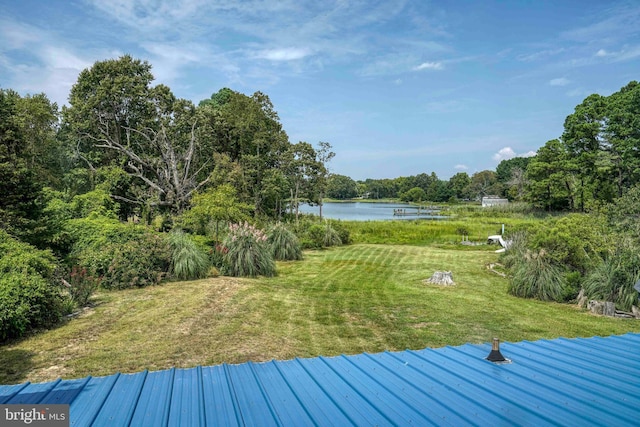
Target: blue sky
{"x": 398, "y": 87}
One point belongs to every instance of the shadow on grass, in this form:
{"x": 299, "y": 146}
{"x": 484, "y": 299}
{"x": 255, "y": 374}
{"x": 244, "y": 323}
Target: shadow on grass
{"x": 15, "y": 364}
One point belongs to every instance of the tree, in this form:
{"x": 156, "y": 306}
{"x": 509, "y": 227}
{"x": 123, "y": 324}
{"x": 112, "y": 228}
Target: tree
{"x": 120, "y": 119}
{"x": 623, "y": 136}
{"x": 213, "y": 206}
{"x": 416, "y": 194}
{"x": 511, "y": 174}
{"x": 584, "y": 138}
{"x": 482, "y": 184}
{"x": 550, "y": 181}
{"x": 341, "y": 187}
{"x": 27, "y": 129}
{"x": 302, "y": 166}
{"x": 458, "y": 184}
{"x": 323, "y": 156}
{"x": 247, "y": 130}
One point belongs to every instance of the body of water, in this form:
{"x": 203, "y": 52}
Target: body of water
{"x": 360, "y": 211}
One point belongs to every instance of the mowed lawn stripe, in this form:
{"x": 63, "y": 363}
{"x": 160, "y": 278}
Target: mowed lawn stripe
{"x": 344, "y": 300}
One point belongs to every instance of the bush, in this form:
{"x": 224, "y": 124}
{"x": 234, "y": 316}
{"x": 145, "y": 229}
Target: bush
{"x": 29, "y": 297}
{"x": 614, "y": 278}
{"x": 188, "y": 261}
{"x": 536, "y": 276}
{"x": 343, "y": 232}
{"x": 81, "y": 286}
{"x": 121, "y": 255}
{"x": 320, "y": 236}
{"x": 248, "y": 253}
{"x": 577, "y": 241}
{"x": 284, "y": 244}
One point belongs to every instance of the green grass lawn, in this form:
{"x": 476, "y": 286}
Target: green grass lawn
{"x": 351, "y": 299}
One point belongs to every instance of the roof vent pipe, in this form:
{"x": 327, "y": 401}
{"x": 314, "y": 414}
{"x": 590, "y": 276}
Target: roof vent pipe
{"x": 495, "y": 356}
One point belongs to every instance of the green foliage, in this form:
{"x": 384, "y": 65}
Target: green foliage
{"x": 341, "y": 187}
{"x": 188, "y": 261}
{"x": 81, "y": 286}
{"x": 613, "y": 279}
{"x": 28, "y": 296}
{"x": 284, "y": 243}
{"x": 121, "y": 255}
{"x": 248, "y": 252}
{"x": 624, "y": 213}
{"x": 97, "y": 202}
{"x": 214, "y": 206}
{"x": 535, "y": 275}
{"x": 342, "y": 230}
{"x": 577, "y": 241}
{"x": 317, "y": 236}
{"x": 415, "y": 194}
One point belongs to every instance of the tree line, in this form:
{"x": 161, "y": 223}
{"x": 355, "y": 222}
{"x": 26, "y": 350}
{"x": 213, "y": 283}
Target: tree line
{"x": 595, "y": 161}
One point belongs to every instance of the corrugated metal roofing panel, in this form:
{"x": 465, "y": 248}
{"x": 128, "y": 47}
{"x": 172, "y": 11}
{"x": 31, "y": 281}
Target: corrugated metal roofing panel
{"x": 585, "y": 381}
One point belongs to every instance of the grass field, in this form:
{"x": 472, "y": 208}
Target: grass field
{"x": 350, "y": 299}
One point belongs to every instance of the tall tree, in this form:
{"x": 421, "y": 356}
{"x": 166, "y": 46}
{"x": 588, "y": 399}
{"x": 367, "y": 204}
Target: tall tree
{"x": 550, "y": 179}
{"x": 120, "y": 119}
{"x": 323, "y": 156}
{"x": 458, "y": 183}
{"x": 28, "y": 161}
{"x": 341, "y": 187}
{"x": 248, "y": 130}
{"x": 584, "y": 137}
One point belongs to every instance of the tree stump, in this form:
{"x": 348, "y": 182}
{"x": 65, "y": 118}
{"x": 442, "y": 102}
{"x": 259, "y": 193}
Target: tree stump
{"x": 443, "y": 278}
{"x": 596, "y": 307}
{"x": 609, "y": 309}
{"x": 582, "y": 299}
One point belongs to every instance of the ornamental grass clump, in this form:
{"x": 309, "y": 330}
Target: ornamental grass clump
{"x": 188, "y": 262}
{"x": 248, "y": 252}
{"x": 284, "y": 244}
{"x": 536, "y": 276}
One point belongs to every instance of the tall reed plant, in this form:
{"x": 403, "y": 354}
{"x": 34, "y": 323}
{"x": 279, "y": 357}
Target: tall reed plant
{"x": 284, "y": 243}
{"x": 614, "y": 278}
{"x": 535, "y": 275}
{"x": 248, "y": 252}
{"x": 188, "y": 261}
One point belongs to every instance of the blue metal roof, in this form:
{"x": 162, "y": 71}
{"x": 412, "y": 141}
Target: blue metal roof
{"x": 583, "y": 381}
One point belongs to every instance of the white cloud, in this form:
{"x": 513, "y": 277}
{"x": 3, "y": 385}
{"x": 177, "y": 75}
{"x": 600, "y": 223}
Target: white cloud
{"x": 601, "y": 53}
{"x": 561, "y": 81}
{"x": 284, "y": 54}
{"x": 429, "y": 66}
{"x": 461, "y": 167}
{"x": 505, "y": 153}
{"x": 542, "y": 54}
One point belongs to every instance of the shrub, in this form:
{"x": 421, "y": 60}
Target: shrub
{"x": 320, "y": 236}
{"x": 248, "y": 253}
{"x": 284, "y": 244}
{"x": 121, "y": 255}
{"x": 613, "y": 279}
{"x": 577, "y": 241}
{"x": 536, "y": 276}
{"x": 343, "y": 232}
{"x": 81, "y": 286}
{"x": 188, "y": 261}
{"x": 29, "y": 296}
{"x": 331, "y": 236}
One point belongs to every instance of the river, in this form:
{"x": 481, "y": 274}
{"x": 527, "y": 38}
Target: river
{"x": 362, "y": 211}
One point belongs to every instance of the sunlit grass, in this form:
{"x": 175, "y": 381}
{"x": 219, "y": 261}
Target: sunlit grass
{"x": 347, "y": 299}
